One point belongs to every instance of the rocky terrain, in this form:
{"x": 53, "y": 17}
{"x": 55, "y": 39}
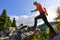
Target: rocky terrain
{"x": 19, "y": 33}
{"x": 57, "y": 37}
{"x": 24, "y": 33}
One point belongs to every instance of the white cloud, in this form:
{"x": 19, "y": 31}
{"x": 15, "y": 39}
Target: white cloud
{"x": 51, "y": 13}
{"x": 29, "y": 20}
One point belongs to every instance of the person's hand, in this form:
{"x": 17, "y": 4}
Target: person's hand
{"x": 46, "y": 14}
{"x": 32, "y": 11}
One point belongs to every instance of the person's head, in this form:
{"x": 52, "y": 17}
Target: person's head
{"x": 35, "y": 3}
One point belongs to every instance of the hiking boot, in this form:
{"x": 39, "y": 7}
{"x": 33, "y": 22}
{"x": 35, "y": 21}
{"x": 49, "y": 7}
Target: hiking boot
{"x": 52, "y": 34}
{"x": 34, "y": 27}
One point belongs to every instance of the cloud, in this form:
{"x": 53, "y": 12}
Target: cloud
{"x": 51, "y": 13}
{"x": 29, "y": 20}
{"x": 25, "y": 19}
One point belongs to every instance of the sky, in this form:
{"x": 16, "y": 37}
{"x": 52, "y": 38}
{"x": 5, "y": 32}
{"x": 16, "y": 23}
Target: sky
{"x": 21, "y": 10}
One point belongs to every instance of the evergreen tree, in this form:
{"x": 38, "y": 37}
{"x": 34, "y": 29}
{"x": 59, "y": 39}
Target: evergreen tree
{"x": 4, "y": 13}
{"x": 14, "y": 22}
{"x": 58, "y": 14}
{"x": 9, "y": 23}
{"x": 57, "y": 23}
{"x": 4, "y": 20}
{"x": 21, "y": 24}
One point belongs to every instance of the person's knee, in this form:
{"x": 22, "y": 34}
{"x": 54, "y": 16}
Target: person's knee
{"x": 46, "y": 22}
{"x": 35, "y": 18}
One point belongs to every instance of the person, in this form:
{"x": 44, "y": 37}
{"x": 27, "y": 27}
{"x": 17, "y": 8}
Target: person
{"x": 43, "y": 13}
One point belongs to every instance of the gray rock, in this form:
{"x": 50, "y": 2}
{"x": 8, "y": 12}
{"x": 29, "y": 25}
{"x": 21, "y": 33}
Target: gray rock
{"x": 23, "y": 33}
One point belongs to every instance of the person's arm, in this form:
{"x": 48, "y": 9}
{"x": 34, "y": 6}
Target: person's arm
{"x": 34, "y": 10}
{"x": 45, "y": 11}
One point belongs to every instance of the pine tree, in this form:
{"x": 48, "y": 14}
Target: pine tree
{"x": 4, "y": 20}
{"x": 58, "y": 14}
{"x": 9, "y": 23}
{"x": 14, "y": 22}
{"x": 4, "y": 13}
{"x": 21, "y": 24}
{"x": 57, "y": 23}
